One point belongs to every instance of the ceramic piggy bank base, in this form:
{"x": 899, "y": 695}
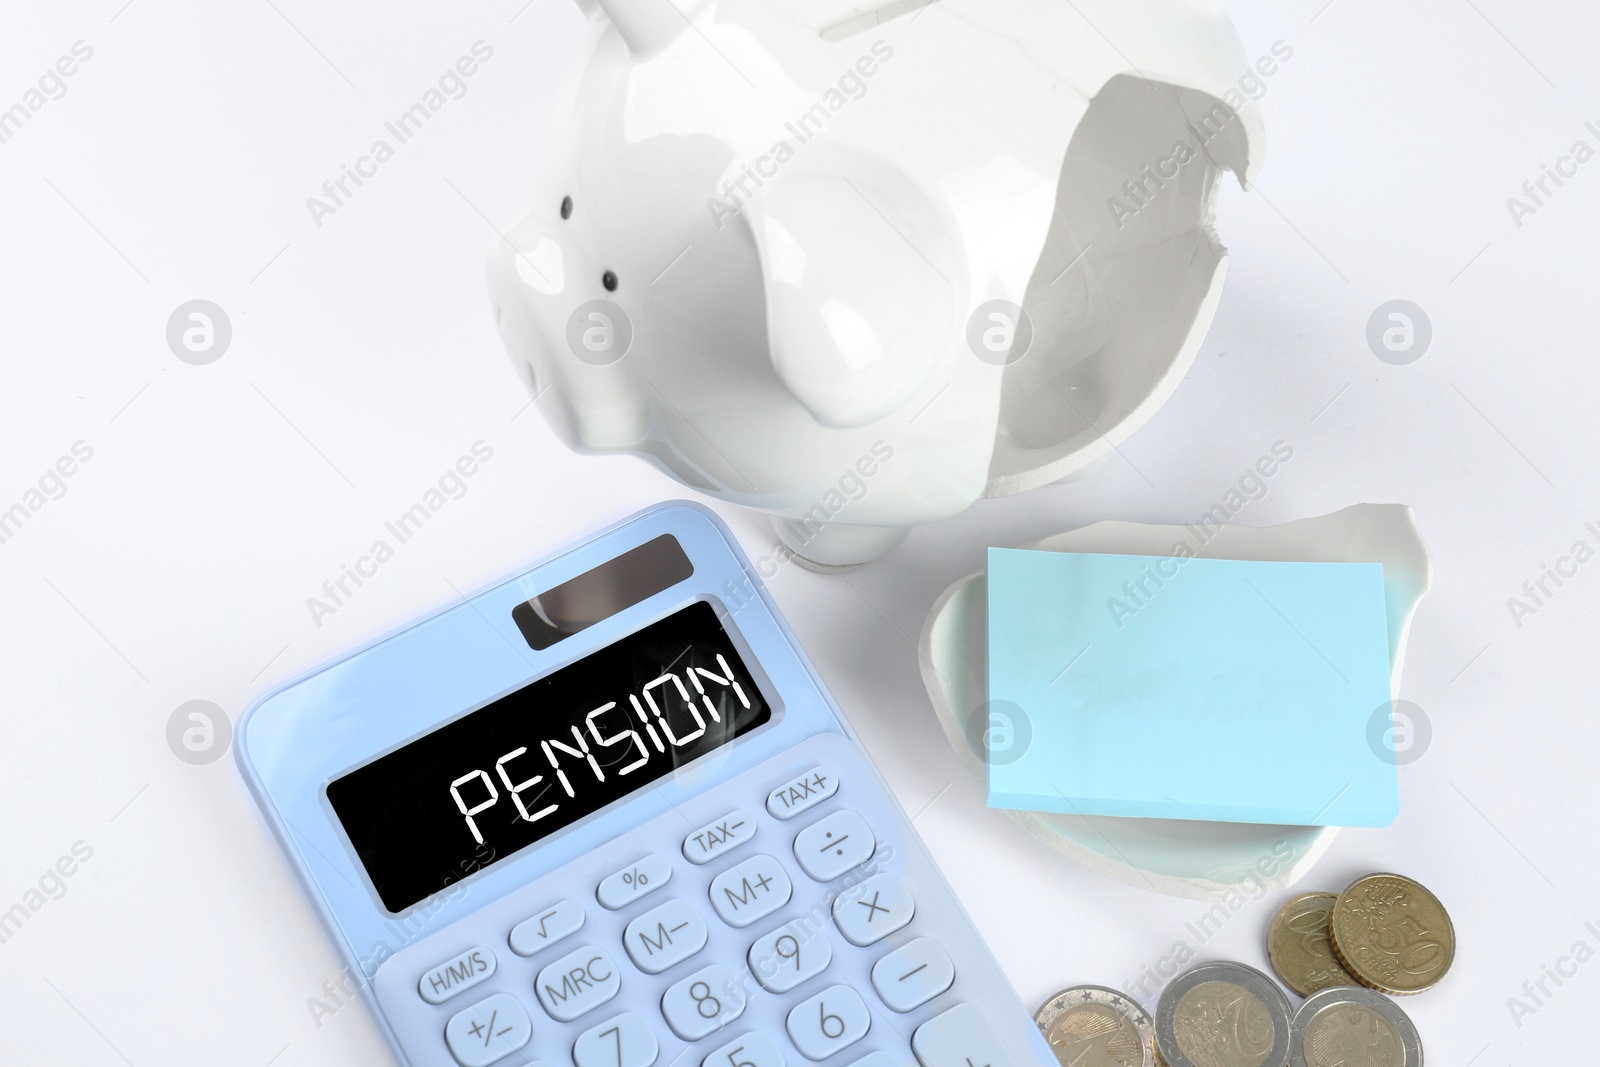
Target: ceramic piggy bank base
{"x": 858, "y": 266}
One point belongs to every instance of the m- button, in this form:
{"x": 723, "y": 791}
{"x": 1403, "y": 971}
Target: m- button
{"x": 802, "y": 793}
{"x": 724, "y": 835}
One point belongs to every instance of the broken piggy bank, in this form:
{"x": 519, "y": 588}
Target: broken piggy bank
{"x": 858, "y": 265}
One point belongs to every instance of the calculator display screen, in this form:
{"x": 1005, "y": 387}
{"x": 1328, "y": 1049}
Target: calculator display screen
{"x": 497, "y": 780}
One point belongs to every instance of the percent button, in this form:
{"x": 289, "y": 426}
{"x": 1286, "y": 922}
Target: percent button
{"x": 634, "y": 881}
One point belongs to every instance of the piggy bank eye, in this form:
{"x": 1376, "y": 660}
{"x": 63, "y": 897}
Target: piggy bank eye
{"x": 609, "y": 280}
{"x": 566, "y": 207}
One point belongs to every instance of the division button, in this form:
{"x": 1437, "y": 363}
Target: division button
{"x": 803, "y": 793}
{"x": 913, "y": 975}
{"x": 456, "y": 975}
{"x": 751, "y": 891}
{"x": 838, "y": 843}
{"x": 724, "y": 835}
{"x": 577, "y": 983}
{"x": 488, "y": 1031}
{"x": 873, "y": 910}
{"x": 547, "y": 926}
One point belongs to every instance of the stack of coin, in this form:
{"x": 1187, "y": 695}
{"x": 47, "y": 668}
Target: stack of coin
{"x": 1384, "y": 931}
{"x": 1385, "y": 934}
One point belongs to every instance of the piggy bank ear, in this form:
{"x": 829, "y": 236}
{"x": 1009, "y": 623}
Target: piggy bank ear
{"x": 856, "y": 279}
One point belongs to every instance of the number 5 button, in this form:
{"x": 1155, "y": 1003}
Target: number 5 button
{"x": 835, "y": 1018}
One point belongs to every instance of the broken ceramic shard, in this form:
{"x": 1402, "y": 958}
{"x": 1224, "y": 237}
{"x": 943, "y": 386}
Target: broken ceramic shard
{"x": 769, "y": 235}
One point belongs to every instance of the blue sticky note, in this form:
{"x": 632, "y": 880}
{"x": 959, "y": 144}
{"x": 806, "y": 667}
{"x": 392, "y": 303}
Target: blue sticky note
{"x": 1185, "y": 688}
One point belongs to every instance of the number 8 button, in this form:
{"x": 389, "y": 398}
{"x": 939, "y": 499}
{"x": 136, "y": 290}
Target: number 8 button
{"x": 835, "y": 1018}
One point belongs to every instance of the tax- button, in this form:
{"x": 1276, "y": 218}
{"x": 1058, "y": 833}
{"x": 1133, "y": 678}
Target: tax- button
{"x": 456, "y": 976}
{"x": 665, "y": 936}
{"x": 911, "y": 976}
{"x": 803, "y": 793}
{"x": 576, "y": 983}
{"x": 959, "y": 1038}
{"x": 724, "y": 835}
{"x": 631, "y": 883}
{"x": 626, "y": 1041}
{"x": 488, "y": 1031}
{"x": 873, "y": 910}
{"x": 836, "y": 844}
{"x": 834, "y": 1019}
{"x": 751, "y": 891}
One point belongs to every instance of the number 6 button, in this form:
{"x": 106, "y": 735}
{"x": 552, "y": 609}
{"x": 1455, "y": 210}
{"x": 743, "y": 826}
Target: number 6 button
{"x": 834, "y": 1019}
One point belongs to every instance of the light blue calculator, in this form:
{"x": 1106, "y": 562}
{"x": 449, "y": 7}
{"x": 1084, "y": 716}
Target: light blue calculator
{"x": 605, "y": 815}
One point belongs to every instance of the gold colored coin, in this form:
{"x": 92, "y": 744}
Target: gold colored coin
{"x": 1392, "y": 934}
{"x": 1299, "y": 947}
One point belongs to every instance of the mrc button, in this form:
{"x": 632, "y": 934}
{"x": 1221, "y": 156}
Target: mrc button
{"x": 456, "y": 975}
{"x": 802, "y": 793}
{"x": 577, "y": 983}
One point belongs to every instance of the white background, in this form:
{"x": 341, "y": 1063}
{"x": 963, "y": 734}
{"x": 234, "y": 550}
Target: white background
{"x": 178, "y": 564}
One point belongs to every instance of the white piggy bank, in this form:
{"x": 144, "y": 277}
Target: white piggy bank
{"x": 861, "y": 265}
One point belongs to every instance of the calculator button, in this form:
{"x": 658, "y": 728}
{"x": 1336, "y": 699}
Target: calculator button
{"x": 664, "y": 937}
{"x": 911, "y": 976}
{"x": 704, "y": 1002}
{"x": 834, "y": 845}
{"x": 873, "y": 910}
{"x": 878, "y": 1059}
{"x": 802, "y": 793}
{"x": 751, "y": 1050}
{"x": 791, "y": 954}
{"x": 834, "y": 1019}
{"x": 456, "y": 975}
{"x": 576, "y": 983}
{"x": 626, "y": 1041}
{"x": 751, "y": 891}
{"x": 555, "y": 923}
{"x": 959, "y": 1038}
{"x": 491, "y": 1029}
{"x": 631, "y": 883}
{"x": 724, "y": 835}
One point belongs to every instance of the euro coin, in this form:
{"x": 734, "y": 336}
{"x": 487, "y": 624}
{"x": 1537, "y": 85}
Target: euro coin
{"x": 1392, "y": 934}
{"x": 1299, "y": 947}
{"x": 1223, "y": 1015}
{"x": 1352, "y": 1026}
{"x": 1092, "y": 1026}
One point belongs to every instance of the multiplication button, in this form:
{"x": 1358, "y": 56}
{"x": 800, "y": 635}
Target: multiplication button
{"x": 836, "y": 844}
{"x": 714, "y": 839}
{"x": 803, "y": 793}
{"x": 873, "y": 910}
{"x": 489, "y": 1031}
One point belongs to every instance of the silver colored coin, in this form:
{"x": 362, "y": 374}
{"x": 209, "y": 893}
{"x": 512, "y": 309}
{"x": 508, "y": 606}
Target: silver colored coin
{"x": 1094, "y": 1026}
{"x": 1352, "y": 1026}
{"x": 1223, "y": 1014}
